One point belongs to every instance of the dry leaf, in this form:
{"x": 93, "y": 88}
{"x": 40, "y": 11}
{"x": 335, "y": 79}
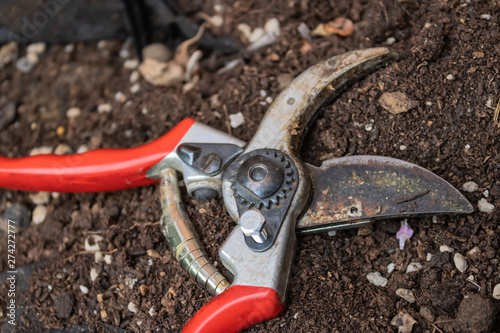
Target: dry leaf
{"x": 153, "y": 253}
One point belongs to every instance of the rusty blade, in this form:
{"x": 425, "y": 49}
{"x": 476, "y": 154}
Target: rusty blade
{"x": 354, "y": 190}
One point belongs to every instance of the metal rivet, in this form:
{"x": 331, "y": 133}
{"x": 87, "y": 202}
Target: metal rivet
{"x": 290, "y": 101}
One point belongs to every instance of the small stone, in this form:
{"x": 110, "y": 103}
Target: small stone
{"x": 62, "y": 149}
{"x": 100, "y": 298}
{"x": 120, "y": 97}
{"x": 124, "y": 53}
{"x": 429, "y": 257}
{"x": 413, "y": 267}
{"x": 485, "y": 207}
{"x": 486, "y": 193}
{"x": 108, "y": 259}
{"x": 486, "y": 17}
{"x": 269, "y": 99}
{"x": 428, "y": 103}
{"x": 496, "y": 292}
{"x": 369, "y": 127}
{"x": 304, "y": 31}
{"x": 98, "y": 257}
{"x": 256, "y": 34}
{"x": 152, "y": 253}
{"x": 245, "y": 30}
{"x": 272, "y": 26}
{"x": 41, "y": 150}
{"x": 236, "y": 120}
{"x": 144, "y": 289}
{"x": 24, "y": 65}
{"x": 473, "y": 251}
{"x": 132, "y": 307}
{"x": 152, "y": 311}
{"x": 446, "y": 248}
{"x": 33, "y": 58}
{"x": 39, "y": 214}
{"x": 36, "y": 48}
{"x": 84, "y": 289}
{"x": 157, "y": 51}
{"x": 390, "y": 40}
{"x": 104, "y": 315}
{"x": 73, "y": 113}
{"x": 377, "y": 279}
{"x": 104, "y": 108}
{"x": 397, "y": 102}
{"x": 365, "y": 231}
{"x": 402, "y": 147}
{"x": 391, "y": 267}
{"x": 69, "y": 48}
{"x": 131, "y": 64}
{"x": 406, "y": 294}
{"x": 92, "y": 243}
{"x": 470, "y": 187}
{"x": 134, "y": 77}
{"x": 467, "y": 147}
{"x": 135, "y": 88}
{"x": 63, "y": 304}
{"x": 450, "y": 77}
{"x": 427, "y": 314}
{"x": 434, "y": 219}
{"x": 460, "y": 262}
{"x": 332, "y": 233}
{"x": 83, "y": 148}
{"x": 404, "y": 322}
{"x": 93, "y": 274}
{"x": 40, "y": 198}
{"x": 7, "y": 114}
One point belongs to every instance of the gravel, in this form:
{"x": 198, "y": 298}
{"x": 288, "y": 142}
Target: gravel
{"x": 377, "y": 279}
{"x": 460, "y": 262}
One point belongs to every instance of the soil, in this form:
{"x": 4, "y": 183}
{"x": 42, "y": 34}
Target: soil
{"x": 450, "y": 68}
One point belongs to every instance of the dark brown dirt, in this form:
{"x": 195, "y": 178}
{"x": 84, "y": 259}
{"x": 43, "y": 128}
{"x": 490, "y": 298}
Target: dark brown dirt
{"x": 328, "y": 290}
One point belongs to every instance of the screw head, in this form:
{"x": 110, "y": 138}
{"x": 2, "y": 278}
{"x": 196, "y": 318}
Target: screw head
{"x": 252, "y": 223}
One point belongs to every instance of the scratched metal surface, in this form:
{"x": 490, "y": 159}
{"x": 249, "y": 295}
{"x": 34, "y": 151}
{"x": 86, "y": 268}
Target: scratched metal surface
{"x": 357, "y": 188}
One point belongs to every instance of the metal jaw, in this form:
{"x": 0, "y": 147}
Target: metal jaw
{"x": 282, "y": 129}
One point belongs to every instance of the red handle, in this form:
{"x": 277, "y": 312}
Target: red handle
{"x": 93, "y": 171}
{"x": 235, "y": 309}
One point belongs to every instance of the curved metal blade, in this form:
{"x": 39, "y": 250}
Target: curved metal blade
{"x": 354, "y": 190}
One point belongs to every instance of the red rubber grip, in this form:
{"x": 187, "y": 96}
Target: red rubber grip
{"x": 235, "y": 309}
{"x": 93, "y": 171}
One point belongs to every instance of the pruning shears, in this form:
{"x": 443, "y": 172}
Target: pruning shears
{"x": 265, "y": 187}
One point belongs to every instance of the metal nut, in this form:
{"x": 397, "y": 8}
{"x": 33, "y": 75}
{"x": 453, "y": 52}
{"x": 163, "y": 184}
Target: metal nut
{"x": 252, "y": 223}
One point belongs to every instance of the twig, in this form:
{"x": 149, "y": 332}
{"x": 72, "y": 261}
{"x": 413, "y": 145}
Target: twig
{"x": 143, "y": 224}
{"x": 497, "y": 112}
{"x": 435, "y": 327}
{"x": 265, "y": 9}
{"x": 89, "y": 252}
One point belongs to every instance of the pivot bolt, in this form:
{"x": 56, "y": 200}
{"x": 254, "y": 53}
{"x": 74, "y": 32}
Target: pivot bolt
{"x": 253, "y": 223}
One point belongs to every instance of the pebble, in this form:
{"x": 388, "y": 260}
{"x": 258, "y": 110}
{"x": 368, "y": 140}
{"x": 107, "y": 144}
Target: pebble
{"x": 473, "y": 251}
{"x": 55, "y": 195}
{"x": 467, "y": 147}
{"x": 83, "y": 149}
{"x": 470, "y": 187}
{"x": 69, "y": 48}
{"x": 108, "y": 259}
{"x": 236, "y": 120}
{"x": 486, "y": 193}
{"x": 272, "y": 26}
{"x": 105, "y": 108}
{"x": 39, "y": 214}
{"x": 256, "y": 34}
{"x": 269, "y": 99}
{"x": 157, "y": 51}
{"x": 434, "y": 219}
{"x": 369, "y": 127}
{"x": 40, "y": 198}
{"x": 98, "y": 257}
{"x": 486, "y": 17}
{"x": 403, "y": 147}
{"x": 95, "y": 243}
{"x": 332, "y": 233}
{"x": 152, "y": 311}
{"x": 135, "y": 88}
{"x": 131, "y": 63}
{"x": 62, "y": 149}
{"x": 104, "y": 315}
{"x": 24, "y": 65}
{"x": 496, "y": 292}
{"x": 460, "y": 262}
{"x": 36, "y": 48}
{"x": 377, "y": 279}
{"x": 41, "y": 150}
{"x": 429, "y": 257}
{"x": 304, "y": 31}
{"x": 93, "y": 274}
{"x": 406, "y": 294}
{"x": 397, "y": 102}
{"x": 413, "y": 267}
{"x": 391, "y": 267}
{"x": 446, "y": 248}
{"x": 7, "y": 114}
{"x": 390, "y": 40}
{"x": 427, "y": 314}
{"x": 450, "y": 77}
{"x": 134, "y": 77}
{"x": 84, "y": 289}
{"x": 120, "y": 97}
{"x": 33, "y": 58}
{"x": 245, "y": 30}
{"x": 485, "y": 207}
{"x": 132, "y": 307}
{"x": 73, "y": 113}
